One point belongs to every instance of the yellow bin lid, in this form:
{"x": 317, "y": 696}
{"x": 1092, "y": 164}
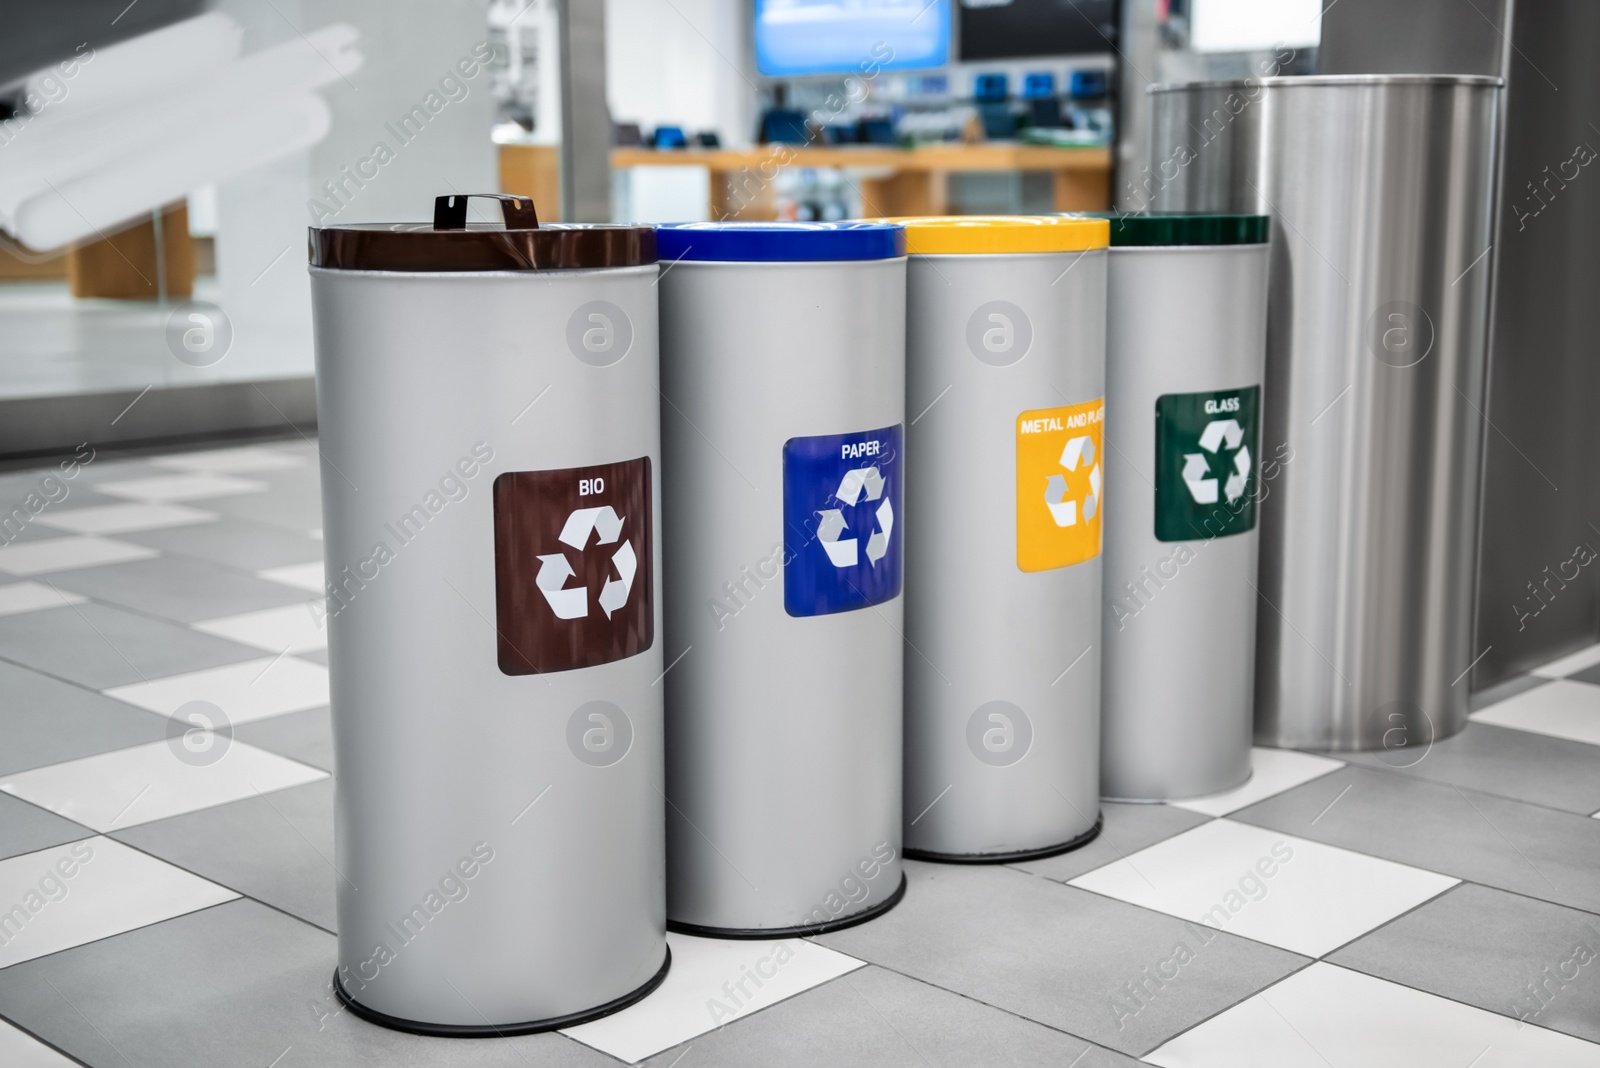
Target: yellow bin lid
{"x": 998, "y": 235}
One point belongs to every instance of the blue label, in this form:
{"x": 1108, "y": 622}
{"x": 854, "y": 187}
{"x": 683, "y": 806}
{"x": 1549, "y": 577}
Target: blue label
{"x": 842, "y": 521}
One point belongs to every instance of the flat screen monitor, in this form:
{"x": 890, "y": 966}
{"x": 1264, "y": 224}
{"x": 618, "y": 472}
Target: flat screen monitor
{"x": 795, "y": 38}
{"x": 1022, "y": 29}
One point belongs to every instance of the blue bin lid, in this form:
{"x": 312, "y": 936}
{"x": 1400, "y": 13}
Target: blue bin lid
{"x": 779, "y": 242}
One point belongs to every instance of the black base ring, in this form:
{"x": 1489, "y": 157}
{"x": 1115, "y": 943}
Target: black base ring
{"x": 414, "y": 1027}
{"x": 1009, "y": 858}
{"x": 794, "y": 932}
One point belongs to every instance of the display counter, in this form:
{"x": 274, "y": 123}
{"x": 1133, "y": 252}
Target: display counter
{"x": 907, "y": 181}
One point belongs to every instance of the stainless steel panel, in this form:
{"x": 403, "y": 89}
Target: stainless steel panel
{"x": 585, "y": 116}
{"x": 1140, "y": 60}
{"x": 1537, "y": 598}
{"x": 1380, "y": 192}
{"x": 1413, "y": 37}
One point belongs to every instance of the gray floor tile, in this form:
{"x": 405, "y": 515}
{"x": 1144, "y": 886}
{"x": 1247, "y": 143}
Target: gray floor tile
{"x": 277, "y": 848}
{"x": 45, "y": 721}
{"x": 316, "y": 656}
{"x": 1491, "y": 840}
{"x": 1062, "y": 956}
{"x": 237, "y": 984}
{"x": 877, "y": 1017}
{"x": 16, "y": 487}
{"x": 1127, "y": 829}
{"x": 293, "y": 501}
{"x": 99, "y": 646}
{"x": 1588, "y": 674}
{"x": 107, "y": 468}
{"x": 25, "y": 828}
{"x": 303, "y": 736}
{"x": 297, "y": 481}
{"x": 1501, "y": 690}
{"x": 296, "y": 445}
{"x": 232, "y": 542}
{"x": 1494, "y": 950}
{"x": 1497, "y": 760}
{"x": 30, "y": 531}
{"x": 174, "y": 588}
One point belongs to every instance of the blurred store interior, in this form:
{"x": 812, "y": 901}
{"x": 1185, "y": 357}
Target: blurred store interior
{"x": 175, "y": 151}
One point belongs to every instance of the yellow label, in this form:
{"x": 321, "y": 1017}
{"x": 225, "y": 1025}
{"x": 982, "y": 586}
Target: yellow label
{"x": 1058, "y": 485}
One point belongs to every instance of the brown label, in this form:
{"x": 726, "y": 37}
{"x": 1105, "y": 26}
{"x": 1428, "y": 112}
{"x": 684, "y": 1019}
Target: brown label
{"x": 572, "y": 566}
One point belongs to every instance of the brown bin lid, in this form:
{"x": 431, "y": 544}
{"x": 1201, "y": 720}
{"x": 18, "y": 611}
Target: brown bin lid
{"x": 453, "y": 244}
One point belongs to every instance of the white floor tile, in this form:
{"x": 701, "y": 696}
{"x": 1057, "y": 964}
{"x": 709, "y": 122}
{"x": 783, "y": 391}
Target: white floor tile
{"x": 1272, "y": 772}
{"x": 126, "y": 787}
{"x": 63, "y": 554}
{"x": 1566, "y": 665}
{"x": 1285, "y": 891}
{"x": 180, "y": 487}
{"x": 1561, "y": 708}
{"x": 249, "y": 691}
{"x": 111, "y": 888}
{"x": 707, "y": 973}
{"x": 125, "y": 518}
{"x": 295, "y": 627}
{"x": 1330, "y": 1017}
{"x": 231, "y": 461}
{"x": 18, "y": 1049}
{"x": 300, "y": 576}
{"x": 32, "y": 596}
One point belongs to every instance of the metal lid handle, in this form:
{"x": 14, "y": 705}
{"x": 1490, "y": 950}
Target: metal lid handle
{"x": 450, "y": 212}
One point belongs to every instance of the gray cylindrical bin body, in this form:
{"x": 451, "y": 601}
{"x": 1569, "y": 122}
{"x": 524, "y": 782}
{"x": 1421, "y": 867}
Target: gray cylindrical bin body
{"x": 1380, "y": 192}
{"x": 784, "y": 730}
{"x": 500, "y": 849}
{"x": 1185, "y": 332}
{"x": 1003, "y": 649}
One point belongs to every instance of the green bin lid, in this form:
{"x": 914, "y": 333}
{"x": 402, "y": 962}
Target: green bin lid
{"x": 1183, "y": 228}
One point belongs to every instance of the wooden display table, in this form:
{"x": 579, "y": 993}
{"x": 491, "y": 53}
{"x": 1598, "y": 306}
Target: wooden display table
{"x": 911, "y": 181}
{"x": 533, "y": 171}
{"x": 124, "y": 265}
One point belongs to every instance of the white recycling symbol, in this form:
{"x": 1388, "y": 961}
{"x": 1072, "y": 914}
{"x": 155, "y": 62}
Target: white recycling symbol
{"x": 1078, "y": 451}
{"x": 842, "y": 551}
{"x": 554, "y": 569}
{"x": 1197, "y": 470}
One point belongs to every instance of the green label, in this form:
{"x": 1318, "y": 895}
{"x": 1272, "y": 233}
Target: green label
{"x": 1207, "y": 454}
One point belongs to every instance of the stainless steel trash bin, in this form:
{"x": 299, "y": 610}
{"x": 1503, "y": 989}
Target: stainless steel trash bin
{"x": 783, "y": 386}
{"x": 1005, "y": 375}
{"x": 486, "y": 400}
{"x": 1186, "y": 336}
{"x": 1380, "y": 191}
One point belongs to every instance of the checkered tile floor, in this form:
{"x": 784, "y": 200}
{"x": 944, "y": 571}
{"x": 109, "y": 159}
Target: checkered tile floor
{"x": 1362, "y": 911}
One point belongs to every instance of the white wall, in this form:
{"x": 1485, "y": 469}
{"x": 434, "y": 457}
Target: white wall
{"x": 410, "y": 45}
{"x": 1254, "y": 25}
{"x": 684, "y": 63}
{"x": 407, "y": 45}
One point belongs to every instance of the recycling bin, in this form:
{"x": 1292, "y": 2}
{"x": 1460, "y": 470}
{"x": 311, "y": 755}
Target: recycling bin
{"x": 490, "y": 438}
{"x": 783, "y": 412}
{"x": 1005, "y": 379}
{"x": 1186, "y": 469}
